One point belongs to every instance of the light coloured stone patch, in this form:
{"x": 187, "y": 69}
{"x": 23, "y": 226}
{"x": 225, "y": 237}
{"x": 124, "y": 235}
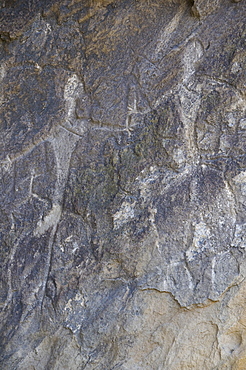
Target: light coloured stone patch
{"x": 6, "y": 164}
{"x": 147, "y": 177}
{"x": 179, "y": 157}
{"x": 125, "y": 213}
{"x": 242, "y": 124}
{"x": 193, "y": 53}
{"x": 49, "y": 221}
{"x": 200, "y": 240}
{"x": 239, "y": 240}
{"x": 2, "y": 75}
{"x": 74, "y": 90}
{"x": 63, "y": 143}
{"x": 77, "y": 299}
{"x": 239, "y": 182}
{"x": 69, "y": 92}
{"x": 74, "y": 308}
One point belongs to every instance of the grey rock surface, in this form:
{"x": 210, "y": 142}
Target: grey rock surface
{"x": 123, "y": 184}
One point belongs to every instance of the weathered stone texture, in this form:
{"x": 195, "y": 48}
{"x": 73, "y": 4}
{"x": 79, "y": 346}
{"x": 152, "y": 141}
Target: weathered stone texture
{"x": 123, "y": 184}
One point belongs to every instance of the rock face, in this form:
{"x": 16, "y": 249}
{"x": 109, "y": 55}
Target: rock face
{"x": 123, "y": 184}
